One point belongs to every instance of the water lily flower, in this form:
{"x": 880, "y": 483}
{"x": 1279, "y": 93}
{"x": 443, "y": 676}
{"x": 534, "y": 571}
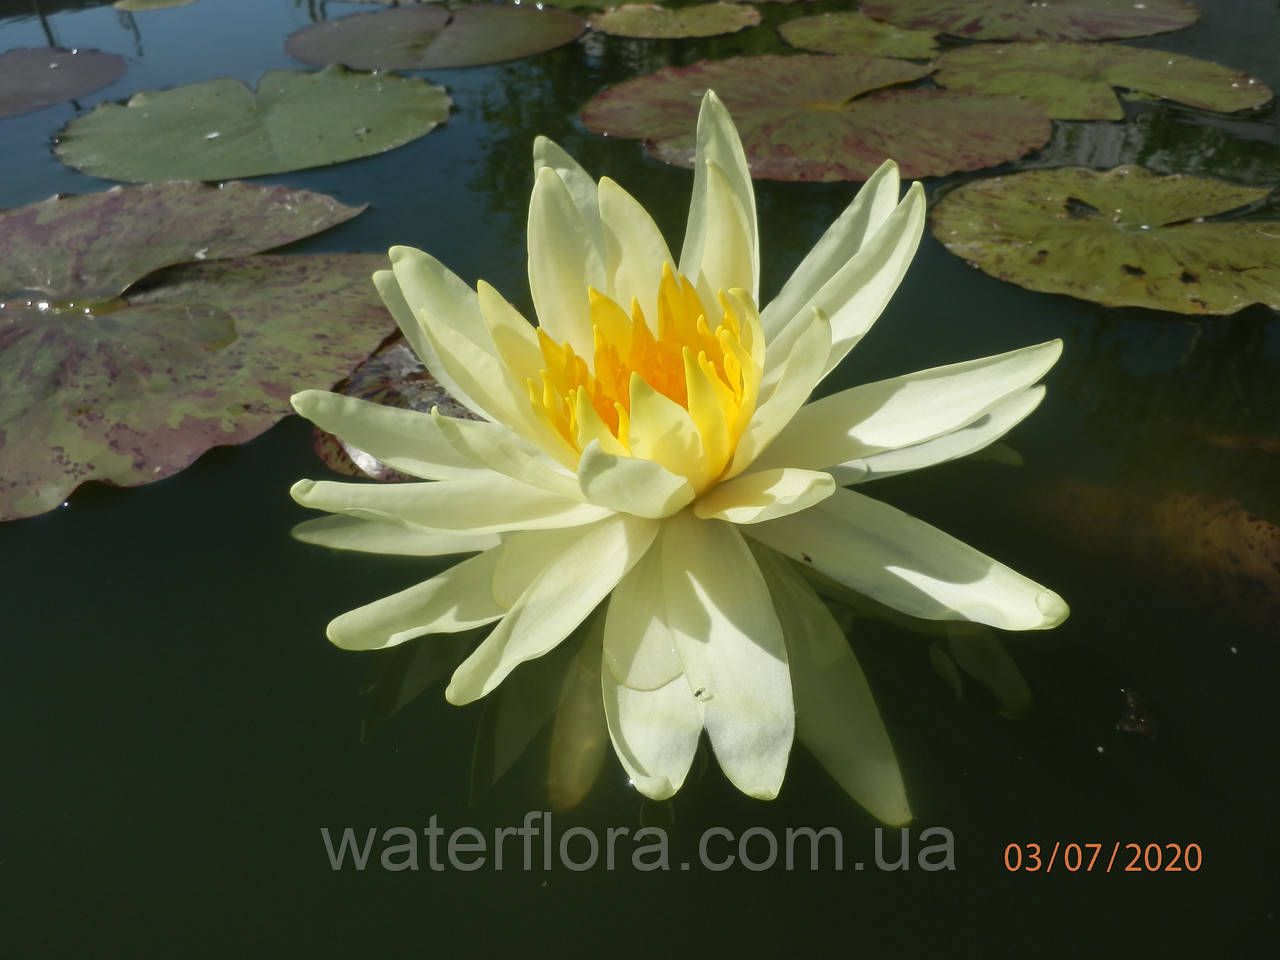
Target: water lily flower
{"x": 647, "y": 449}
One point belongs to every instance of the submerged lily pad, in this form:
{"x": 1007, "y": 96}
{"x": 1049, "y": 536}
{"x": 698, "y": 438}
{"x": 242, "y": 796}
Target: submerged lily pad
{"x": 433, "y": 37}
{"x": 1121, "y": 237}
{"x": 650, "y": 21}
{"x": 1049, "y": 20}
{"x": 1074, "y": 81}
{"x": 221, "y": 129}
{"x": 112, "y": 379}
{"x": 33, "y": 78}
{"x": 804, "y": 117}
{"x": 852, "y": 32}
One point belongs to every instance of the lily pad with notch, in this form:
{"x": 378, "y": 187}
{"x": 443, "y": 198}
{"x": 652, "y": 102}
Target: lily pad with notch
{"x": 125, "y": 360}
{"x": 815, "y": 117}
{"x": 220, "y": 129}
{"x": 429, "y": 37}
{"x": 1021, "y": 20}
{"x": 32, "y": 78}
{"x": 1075, "y": 81}
{"x": 652, "y": 22}
{"x": 1120, "y": 237}
{"x": 853, "y": 32}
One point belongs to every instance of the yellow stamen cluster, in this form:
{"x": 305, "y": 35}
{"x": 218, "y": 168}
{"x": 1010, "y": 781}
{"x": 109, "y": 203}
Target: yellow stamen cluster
{"x": 686, "y": 357}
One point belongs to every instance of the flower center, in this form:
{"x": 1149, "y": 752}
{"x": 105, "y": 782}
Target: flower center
{"x": 710, "y": 373}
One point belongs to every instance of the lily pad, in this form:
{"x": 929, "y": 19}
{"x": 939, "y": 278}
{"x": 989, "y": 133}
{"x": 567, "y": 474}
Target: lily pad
{"x": 137, "y": 6}
{"x": 1121, "y": 237}
{"x": 433, "y": 37}
{"x": 221, "y": 129}
{"x": 33, "y": 78}
{"x": 852, "y": 32}
{"x": 394, "y": 377}
{"x": 650, "y": 21}
{"x": 126, "y": 382}
{"x": 804, "y": 117}
{"x": 1074, "y": 81}
{"x": 1046, "y": 20}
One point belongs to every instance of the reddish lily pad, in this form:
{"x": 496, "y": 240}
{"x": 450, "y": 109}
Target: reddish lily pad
{"x": 432, "y": 37}
{"x": 39, "y": 77}
{"x": 1121, "y": 237}
{"x": 392, "y": 376}
{"x": 1074, "y": 81}
{"x": 806, "y": 117}
{"x": 650, "y": 21}
{"x": 129, "y": 387}
{"x": 1045, "y": 20}
{"x": 852, "y": 32}
{"x": 221, "y": 129}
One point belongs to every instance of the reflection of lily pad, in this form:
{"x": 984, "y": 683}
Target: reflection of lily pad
{"x": 851, "y": 32}
{"x": 221, "y": 129}
{"x": 1073, "y": 81}
{"x": 647, "y": 20}
{"x": 1123, "y": 237}
{"x": 1023, "y": 20}
{"x": 802, "y": 117}
{"x": 129, "y": 389}
{"x": 432, "y": 37}
{"x": 394, "y": 377}
{"x": 35, "y": 78}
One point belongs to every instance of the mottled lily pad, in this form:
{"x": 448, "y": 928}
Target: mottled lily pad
{"x": 650, "y": 21}
{"x": 1045, "y": 20}
{"x": 117, "y": 373}
{"x": 221, "y": 129}
{"x": 805, "y": 117}
{"x": 432, "y": 37}
{"x": 852, "y": 32}
{"x": 394, "y": 377}
{"x": 1121, "y": 237}
{"x": 1074, "y": 81}
{"x": 35, "y": 78}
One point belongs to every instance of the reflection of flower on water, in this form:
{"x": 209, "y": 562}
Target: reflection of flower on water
{"x": 629, "y": 450}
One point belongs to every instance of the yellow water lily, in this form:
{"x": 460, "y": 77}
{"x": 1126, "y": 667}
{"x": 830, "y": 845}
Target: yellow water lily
{"x": 648, "y": 450}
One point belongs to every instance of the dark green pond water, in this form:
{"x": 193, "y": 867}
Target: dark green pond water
{"x": 178, "y": 733}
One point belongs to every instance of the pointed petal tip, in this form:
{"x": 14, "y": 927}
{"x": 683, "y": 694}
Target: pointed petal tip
{"x": 301, "y": 490}
{"x": 401, "y": 252}
{"x": 655, "y": 788}
{"x": 1052, "y": 607}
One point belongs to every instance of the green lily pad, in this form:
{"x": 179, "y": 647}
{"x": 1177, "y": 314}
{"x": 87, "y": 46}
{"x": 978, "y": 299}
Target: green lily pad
{"x": 221, "y": 129}
{"x": 851, "y": 32}
{"x": 112, "y": 379}
{"x": 1121, "y": 237}
{"x": 1044, "y": 20}
{"x": 1074, "y": 81}
{"x": 432, "y": 37}
{"x": 805, "y": 117}
{"x": 392, "y": 376}
{"x": 33, "y": 78}
{"x": 650, "y": 21}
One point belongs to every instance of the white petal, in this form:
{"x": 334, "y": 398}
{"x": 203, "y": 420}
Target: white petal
{"x": 905, "y": 410}
{"x": 903, "y": 562}
{"x": 380, "y": 536}
{"x": 559, "y": 598}
{"x": 718, "y": 143}
{"x": 836, "y": 715}
{"x": 489, "y": 503}
{"x": 641, "y": 488}
{"x": 765, "y": 495}
{"x": 504, "y": 452}
{"x": 731, "y": 646}
{"x": 513, "y": 336}
{"x": 729, "y": 258}
{"x": 654, "y": 733}
{"x": 404, "y": 439}
{"x": 634, "y": 249}
{"x": 662, "y": 431}
{"x": 969, "y": 439}
{"x": 580, "y": 734}
{"x": 860, "y": 290}
{"x": 563, "y": 262}
{"x": 798, "y": 373}
{"x": 582, "y": 189}
{"x": 873, "y": 203}
{"x": 639, "y": 650}
{"x": 455, "y": 600}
